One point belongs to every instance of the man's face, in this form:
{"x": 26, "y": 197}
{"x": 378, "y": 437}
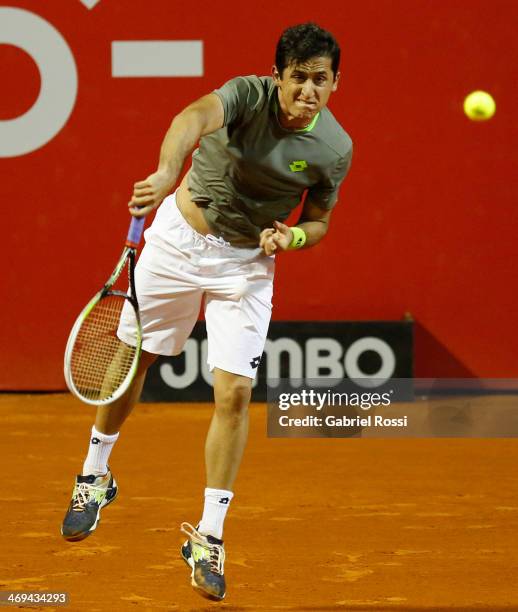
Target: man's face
{"x": 304, "y": 89}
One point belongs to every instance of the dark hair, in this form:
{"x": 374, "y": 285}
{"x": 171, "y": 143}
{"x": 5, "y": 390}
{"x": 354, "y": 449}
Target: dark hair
{"x": 302, "y": 42}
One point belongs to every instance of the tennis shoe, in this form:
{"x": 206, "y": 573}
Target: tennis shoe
{"x": 91, "y": 493}
{"x": 205, "y": 555}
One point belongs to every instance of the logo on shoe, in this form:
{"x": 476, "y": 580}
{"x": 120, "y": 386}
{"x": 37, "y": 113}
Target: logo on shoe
{"x": 224, "y": 500}
{"x": 95, "y": 441}
{"x": 255, "y": 362}
{"x": 199, "y": 553}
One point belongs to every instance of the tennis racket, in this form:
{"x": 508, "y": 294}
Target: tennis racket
{"x": 99, "y": 366}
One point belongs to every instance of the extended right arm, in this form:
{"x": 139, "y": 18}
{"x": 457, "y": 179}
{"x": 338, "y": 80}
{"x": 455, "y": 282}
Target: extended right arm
{"x": 198, "y": 119}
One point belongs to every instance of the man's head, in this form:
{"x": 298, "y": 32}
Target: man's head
{"x": 305, "y": 71}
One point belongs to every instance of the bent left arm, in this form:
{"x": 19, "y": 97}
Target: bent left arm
{"x": 313, "y": 220}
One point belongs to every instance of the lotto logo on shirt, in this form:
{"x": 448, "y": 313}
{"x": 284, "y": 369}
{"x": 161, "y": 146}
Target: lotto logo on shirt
{"x": 298, "y": 166}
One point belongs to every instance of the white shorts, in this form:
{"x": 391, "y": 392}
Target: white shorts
{"x": 177, "y": 270}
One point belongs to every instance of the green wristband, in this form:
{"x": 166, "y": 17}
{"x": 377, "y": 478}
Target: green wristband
{"x": 299, "y": 238}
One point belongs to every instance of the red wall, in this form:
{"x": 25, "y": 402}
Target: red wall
{"x": 427, "y": 221}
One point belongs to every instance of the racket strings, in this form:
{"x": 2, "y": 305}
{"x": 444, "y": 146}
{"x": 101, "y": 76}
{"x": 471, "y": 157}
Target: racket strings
{"x": 100, "y": 361}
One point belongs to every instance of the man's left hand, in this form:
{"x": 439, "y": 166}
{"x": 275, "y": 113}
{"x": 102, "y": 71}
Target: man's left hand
{"x": 275, "y": 239}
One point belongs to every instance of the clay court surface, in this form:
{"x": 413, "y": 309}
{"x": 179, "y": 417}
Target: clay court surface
{"x": 316, "y": 524}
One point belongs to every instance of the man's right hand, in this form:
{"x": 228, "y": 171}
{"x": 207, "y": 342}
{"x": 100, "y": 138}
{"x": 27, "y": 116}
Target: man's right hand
{"x": 149, "y": 193}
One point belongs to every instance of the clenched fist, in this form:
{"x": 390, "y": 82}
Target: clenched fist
{"x": 277, "y": 238}
{"x": 149, "y": 193}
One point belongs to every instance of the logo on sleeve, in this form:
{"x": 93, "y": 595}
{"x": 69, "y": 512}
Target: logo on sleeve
{"x": 298, "y": 166}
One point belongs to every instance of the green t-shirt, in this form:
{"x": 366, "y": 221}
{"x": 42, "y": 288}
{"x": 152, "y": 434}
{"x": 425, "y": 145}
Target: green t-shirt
{"x": 253, "y": 171}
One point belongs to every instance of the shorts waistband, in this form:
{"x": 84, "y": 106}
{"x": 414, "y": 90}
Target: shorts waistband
{"x": 210, "y": 239}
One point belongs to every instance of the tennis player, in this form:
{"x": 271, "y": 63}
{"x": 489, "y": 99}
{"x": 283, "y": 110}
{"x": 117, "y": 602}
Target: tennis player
{"x": 264, "y": 142}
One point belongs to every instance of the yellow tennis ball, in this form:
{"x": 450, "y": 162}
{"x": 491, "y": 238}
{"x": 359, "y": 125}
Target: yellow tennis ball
{"x": 479, "y": 106}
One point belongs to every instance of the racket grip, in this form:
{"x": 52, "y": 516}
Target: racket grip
{"x": 135, "y": 231}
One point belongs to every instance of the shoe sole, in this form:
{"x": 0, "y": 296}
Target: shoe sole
{"x": 194, "y": 585}
{"x": 81, "y": 536}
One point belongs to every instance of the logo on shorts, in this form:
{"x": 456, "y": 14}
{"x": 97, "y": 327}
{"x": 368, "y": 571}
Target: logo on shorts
{"x": 255, "y": 362}
{"x": 298, "y": 166}
{"x": 224, "y": 500}
{"x": 95, "y": 441}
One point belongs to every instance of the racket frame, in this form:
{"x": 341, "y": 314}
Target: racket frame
{"x": 128, "y": 255}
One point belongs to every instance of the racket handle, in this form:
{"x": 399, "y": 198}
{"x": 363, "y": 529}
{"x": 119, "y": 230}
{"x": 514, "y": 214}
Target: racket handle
{"x": 135, "y": 231}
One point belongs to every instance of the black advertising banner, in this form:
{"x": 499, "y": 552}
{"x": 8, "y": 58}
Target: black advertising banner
{"x": 301, "y": 351}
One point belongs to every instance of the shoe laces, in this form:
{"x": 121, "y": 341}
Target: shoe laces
{"x": 216, "y": 551}
{"x": 82, "y": 495}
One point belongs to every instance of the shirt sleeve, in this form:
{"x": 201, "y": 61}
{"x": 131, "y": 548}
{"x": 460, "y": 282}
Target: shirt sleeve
{"x": 241, "y": 98}
{"x": 325, "y": 194}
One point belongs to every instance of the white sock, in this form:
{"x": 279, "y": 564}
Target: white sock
{"x": 215, "y": 509}
{"x": 99, "y": 451}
